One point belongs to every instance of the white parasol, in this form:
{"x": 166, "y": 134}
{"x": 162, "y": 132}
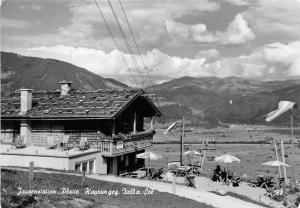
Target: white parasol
{"x": 275, "y": 163}
{"x": 227, "y": 159}
{"x": 192, "y": 152}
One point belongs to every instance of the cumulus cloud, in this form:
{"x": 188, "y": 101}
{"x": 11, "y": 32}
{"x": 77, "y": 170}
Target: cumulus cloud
{"x": 238, "y": 2}
{"x": 13, "y": 23}
{"x": 110, "y": 64}
{"x": 177, "y": 30}
{"x": 286, "y": 54}
{"x": 32, "y": 6}
{"x": 275, "y": 18}
{"x": 275, "y": 60}
{"x": 209, "y": 55}
{"x": 237, "y": 32}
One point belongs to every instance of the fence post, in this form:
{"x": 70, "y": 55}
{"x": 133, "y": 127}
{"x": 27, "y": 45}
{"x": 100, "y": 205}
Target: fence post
{"x": 31, "y": 171}
{"x": 174, "y": 184}
{"x": 83, "y": 178}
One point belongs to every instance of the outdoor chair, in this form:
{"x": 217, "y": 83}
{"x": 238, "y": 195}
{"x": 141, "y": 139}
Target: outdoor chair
{"x": 64, "y": 145}
{"x": 235, "y": 180}
{"x": 157, "y": 174}
{"x": 276, "y": 191}
{"x": 18, "y": 142}
{"x": 196, "y": 170}
{"x": 51, "y": 144}
{"x": 83, "y": 144}
{"x": 150, "y": 173}
{"x": 190, "y": 180}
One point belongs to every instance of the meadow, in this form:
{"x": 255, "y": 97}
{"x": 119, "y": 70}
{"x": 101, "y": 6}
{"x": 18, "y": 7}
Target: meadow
{"x": 252, "y": 146}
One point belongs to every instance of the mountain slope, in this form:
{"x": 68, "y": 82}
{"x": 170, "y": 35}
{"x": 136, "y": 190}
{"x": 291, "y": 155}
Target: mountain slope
{"x": 45, "y": 74}
{"x": 250, "y": 99}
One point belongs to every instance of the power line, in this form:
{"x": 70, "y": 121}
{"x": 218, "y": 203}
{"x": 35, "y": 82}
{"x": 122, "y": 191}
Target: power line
{"x": 126, "y": 42}
{"x": 136, "y": 45}
{"x": 112, "y": 36}
{"x": 129, "y": 49}
{"x": 132, "y": 34}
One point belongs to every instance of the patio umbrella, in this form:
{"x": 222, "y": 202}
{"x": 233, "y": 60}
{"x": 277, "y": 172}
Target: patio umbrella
{"x": 149, "y": 156}
{"x": 275, "y": 163}
{"x": 192, "y": 152}
{"x": 227, "y": 159}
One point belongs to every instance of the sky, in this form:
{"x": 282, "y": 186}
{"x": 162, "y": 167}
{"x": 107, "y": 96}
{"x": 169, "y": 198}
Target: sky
{"x": 255, "y": 39}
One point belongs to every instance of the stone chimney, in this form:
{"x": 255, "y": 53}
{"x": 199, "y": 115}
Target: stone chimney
{"x": 26, "y": 100}
{"x": 65, "y": 87}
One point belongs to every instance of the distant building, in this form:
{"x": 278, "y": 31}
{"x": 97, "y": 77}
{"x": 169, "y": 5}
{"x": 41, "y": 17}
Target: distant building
{"x": 111, "y": 120}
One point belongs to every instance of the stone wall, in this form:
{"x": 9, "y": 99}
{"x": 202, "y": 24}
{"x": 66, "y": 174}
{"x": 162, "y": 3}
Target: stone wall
{"x": 40, "y": 138}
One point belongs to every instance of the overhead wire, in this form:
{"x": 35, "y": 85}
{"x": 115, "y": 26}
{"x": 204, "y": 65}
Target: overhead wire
{"x": 127, "y": 43}
{"x": 145, "y": 68}
{"x": 129, "y": 49}
{"x": 137, "y": 47}
{"x": 114, "y": 40}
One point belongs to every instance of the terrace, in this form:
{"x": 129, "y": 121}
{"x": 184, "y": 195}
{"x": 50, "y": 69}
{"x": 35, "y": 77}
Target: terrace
{"x": 121, "y": 144}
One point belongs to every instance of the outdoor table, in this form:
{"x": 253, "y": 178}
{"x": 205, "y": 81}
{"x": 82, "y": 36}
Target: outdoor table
{"x": 138, "y": 174}
{"x": 182, "y": 170}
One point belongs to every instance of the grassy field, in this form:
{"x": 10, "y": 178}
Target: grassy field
{"x": 115, "y": 197}
{"x": 244, "y": 144}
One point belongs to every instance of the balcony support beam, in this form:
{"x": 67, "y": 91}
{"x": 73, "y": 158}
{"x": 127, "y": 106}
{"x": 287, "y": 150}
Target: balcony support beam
{"x": 152, "y": 121}
{"x": 134, "y": 122}
{"x": 113, "y": 130}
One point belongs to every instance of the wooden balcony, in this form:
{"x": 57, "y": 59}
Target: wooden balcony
{"x": 122, "y": 144}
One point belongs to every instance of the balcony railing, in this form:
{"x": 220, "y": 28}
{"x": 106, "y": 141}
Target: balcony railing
{"x": 120, "y": 144}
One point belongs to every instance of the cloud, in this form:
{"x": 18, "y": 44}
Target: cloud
{"x": 275, "y": 18}
{"x": 238, "y": 2}
{"x": 110, "y": 64}
{"x": 209, "y": 55}
{"x": 237, "y": 32}
{"x": 286, "y": 54}
{"x": 13, "y": 23}
{"x": 32, "y": 6}
{"x": 273, "y": 61}
{"x": 177, "y": 30}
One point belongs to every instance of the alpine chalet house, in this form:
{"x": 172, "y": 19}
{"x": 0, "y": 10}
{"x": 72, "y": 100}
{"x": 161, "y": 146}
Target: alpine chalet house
{"x": 110, "y": 121}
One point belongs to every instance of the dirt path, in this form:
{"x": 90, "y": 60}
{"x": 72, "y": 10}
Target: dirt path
{"x": 183, "y": 191}
{"x": 201, "y": 194}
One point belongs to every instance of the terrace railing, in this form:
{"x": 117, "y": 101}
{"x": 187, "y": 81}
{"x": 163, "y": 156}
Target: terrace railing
{"x": 120, "y": 144}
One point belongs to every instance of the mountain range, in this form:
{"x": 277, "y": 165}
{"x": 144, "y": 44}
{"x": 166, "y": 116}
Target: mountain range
{"x": 217, "y": 100}
{"x": 231, "y": 99}
{"x": 45, "y": 74}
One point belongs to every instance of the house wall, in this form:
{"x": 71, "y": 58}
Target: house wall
{"x": 43, "y": 162}
{"x": 58, "y": 163}
{"x": 9, "y": 131}
{"x": 40, "y": 131}
{"x": 8, "y": 135}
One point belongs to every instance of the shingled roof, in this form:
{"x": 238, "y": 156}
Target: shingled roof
{"x": 78, "y": 104}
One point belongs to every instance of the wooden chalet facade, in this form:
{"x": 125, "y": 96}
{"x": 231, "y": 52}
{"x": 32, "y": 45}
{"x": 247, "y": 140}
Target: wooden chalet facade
{"x": 112, "y": 121}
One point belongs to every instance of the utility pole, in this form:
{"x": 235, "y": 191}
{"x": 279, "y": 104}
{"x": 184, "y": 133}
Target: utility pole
{"x": 182, "y": 138}
{"x": 279, "y": 170}
{"x": 283, "y": 160}
{"x": 292, "y": 127}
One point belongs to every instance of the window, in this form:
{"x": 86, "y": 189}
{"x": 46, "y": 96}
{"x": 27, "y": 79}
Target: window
{"x": 77, "y": 167}
{"x": 91, "y": 166}
{"x": 126, "y": 160}
{"x": 84, "y": 167}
